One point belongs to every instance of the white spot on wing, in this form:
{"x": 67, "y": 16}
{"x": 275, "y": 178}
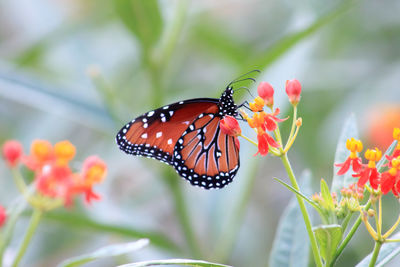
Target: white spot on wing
{"x": 163, "y": 119}
{"x": 169, "y": 141}
{"x": 158, "y": 135}
{"x": 144, "y": 136}
{"x": 171, "y": 113}
{"x": 150, "y": 114}
{"x": 166, "y": 107}
{"x": 145, "y": 125}
{"x": 186, "y": 122}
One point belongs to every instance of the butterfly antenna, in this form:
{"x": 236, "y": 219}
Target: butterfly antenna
{"x": 239, "y": 79}
{"x": 247, "y": 89}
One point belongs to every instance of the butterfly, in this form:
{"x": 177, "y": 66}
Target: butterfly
{"x": 187, "y": 136}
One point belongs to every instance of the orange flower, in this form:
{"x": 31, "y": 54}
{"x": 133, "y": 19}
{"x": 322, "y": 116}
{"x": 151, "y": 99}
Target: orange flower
{"x": 64, "y": 151}
{"x": 353, "y": 160}
{"x": 381, "y": 121}
{"x": 12, "y": 152}
{"x": 369, "y": 172}
{"x": 3, "y": 215}
{"x": 42, "y": 152}
{"x": 94, "y": 170}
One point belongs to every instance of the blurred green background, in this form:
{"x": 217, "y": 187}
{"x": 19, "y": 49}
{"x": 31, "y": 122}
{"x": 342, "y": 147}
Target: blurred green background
{"x": 79, "y": 70}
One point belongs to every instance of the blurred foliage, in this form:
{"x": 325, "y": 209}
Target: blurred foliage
{"x": 78, "y": 70}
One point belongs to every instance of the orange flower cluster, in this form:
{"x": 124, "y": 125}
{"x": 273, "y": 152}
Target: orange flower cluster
{"x": 386, "y": 181}
{"x": 53, "y": 175}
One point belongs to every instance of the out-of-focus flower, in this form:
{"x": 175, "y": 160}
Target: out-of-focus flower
{"x": 381, "y": 121}
{"x": 230, "y": 126}
{"x": 266, "y": 92}
{"x": 293, "y": 90}
{"x": 64, "y": 151}
{"x": 353, "y": 160}
{"x": 3, "y": 215}
{"x": 369, "y": 172}
{"x": 396, "y": 152}
{"x": 54, "y": 178}
{"x": 41, "y": 153}
{"x": 12, "y": 152}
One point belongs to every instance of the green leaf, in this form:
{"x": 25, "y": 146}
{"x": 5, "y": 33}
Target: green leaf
{"x": 328, "y": 237}
{"x": 272, "y": 53}
{"x": 142, "y": 18}
{"x": 326, "y": 196}
{"x": 291, "y": 188}
{"x": 349, "y": 130}
{"x": 84, "y": 223}
{"x": 288, "y": 248}
{"x": 181, "y": 262}
{"x": 388, "y": 251}
{"x": 108, "y": 251}
{"x": 388, "y": 152}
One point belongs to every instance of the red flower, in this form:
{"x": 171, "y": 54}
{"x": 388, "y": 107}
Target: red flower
{"x": 353, "y": 160}
{"x": 390, "y": 179}
{"x": 270, "y": 120}
{"x": 230, "y": 126}
{"x": 3, "y": 215}
{"x": 266, "y": 92}
{"x": 369, "y": 172}
{"x": 264, "y": 141}
{"x": 12, "y": 152}
{"x": 293, "y": 90}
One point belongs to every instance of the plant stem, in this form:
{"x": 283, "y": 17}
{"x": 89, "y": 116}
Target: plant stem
{"x": 181, "y": 211}
{"x": 36, "y": 215}
{"x": 349, "y": 235}
{"x": 306, "y": 217}
{"x": 227, "y": 237}
{"x": 377, "y": 248}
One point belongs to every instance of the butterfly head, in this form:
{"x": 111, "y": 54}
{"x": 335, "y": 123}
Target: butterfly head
{"x": 226, "y": 103}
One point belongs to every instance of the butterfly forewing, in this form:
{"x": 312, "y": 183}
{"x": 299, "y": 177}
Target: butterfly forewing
{"x": 155, "y": 133}
{"x": 204, "y": 155}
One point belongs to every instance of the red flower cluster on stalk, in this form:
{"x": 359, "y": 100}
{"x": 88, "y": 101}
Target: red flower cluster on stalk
{"x": 386, "y": 181}
{"x": 53, "y": 176}
{"x": 261, "y": 121}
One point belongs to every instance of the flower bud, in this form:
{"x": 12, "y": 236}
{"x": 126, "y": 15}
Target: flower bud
{"x": 64, "y": 151}
{"x": 293, "y": 90}
{"x": 266, "y": 92}
{"x": 230, "y": 126}
{"x": 12, "y": 152}
{"x": 94, "y": 170}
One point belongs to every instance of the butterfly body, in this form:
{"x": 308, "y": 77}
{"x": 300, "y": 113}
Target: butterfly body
{"x": 186, "y": 135}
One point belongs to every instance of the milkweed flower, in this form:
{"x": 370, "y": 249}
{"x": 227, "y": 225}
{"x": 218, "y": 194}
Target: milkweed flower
{"x": 293, "y": 90}
{"x": 12, "y": 152}
{"x": 369, "y": 172}
{"x": 266, "y": 92}
{"x": 390, "y": 179}
{"x": 396, "y": 152}
{"x": 353, "y": 160}
{"x": 3, "y": 215}
{"x": 230, "y": 126}
{"x": 53, "y": 177}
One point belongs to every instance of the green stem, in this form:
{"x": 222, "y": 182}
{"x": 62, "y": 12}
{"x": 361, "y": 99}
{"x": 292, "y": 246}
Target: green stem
{"x": 227, "y": 237}
{"x": 36, "y": 215}
{"x": 349, "y": 235}
{"x": 375, "y": 254}
{"x": 346, "y": 221}
{"x": 306, "y": 217}
{"x": 181, "y": 211}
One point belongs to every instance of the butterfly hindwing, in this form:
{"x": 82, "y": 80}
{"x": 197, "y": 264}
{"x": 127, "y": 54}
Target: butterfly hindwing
{"x": 204, "y": 155}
